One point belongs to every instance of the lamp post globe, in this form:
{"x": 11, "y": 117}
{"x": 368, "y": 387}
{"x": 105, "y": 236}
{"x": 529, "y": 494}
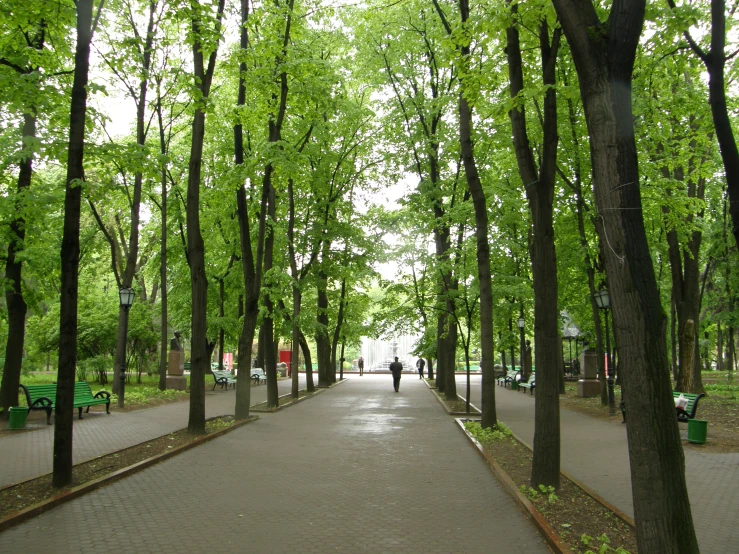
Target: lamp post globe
{"x": 126, "y": 295}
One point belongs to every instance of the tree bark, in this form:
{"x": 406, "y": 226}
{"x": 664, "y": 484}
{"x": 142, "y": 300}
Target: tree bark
{"x": 323, "y": 344}
{"x": 70, "y": 251}
{"x": 539, "y": 188}
{"x": 164, "y": 334}
{"x": 310, "y": 386}
{"x": 199, "y": 349}
{"x": 604, "y": 57}
{"x": 487, "y": 347}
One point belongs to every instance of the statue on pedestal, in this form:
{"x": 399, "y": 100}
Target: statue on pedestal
{"x": 176, "y": 364}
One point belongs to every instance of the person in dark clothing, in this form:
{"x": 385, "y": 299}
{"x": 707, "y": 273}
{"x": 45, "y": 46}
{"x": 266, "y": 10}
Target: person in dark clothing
{"x": 396, "y": 368}
{"x": 420, "y": 364}
{"x": 360, "y": 364}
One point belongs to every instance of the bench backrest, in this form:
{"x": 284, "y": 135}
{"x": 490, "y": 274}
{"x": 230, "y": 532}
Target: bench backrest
{"x": 81, "y": 391}
{"x": 221, "y": 373}
{"x": 258, "y": 371}
{"x": 41, "y": 391}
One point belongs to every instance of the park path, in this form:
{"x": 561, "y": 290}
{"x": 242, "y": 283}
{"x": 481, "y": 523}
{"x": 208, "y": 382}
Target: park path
{"x": 358, "y": 468}
{"x": 29, "y": 454}
{"x": 596, "y": 453}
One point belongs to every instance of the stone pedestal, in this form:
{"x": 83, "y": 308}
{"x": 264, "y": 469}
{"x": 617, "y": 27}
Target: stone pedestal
{"x": 175, "y": 370}
{"x": 176, "y": 362}
{"x": 589, "y": 385}
{"x": 176, "y": 382}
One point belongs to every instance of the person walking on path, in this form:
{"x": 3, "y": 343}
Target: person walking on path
{"x": 396, "y": 368}
{"x": 360, "y": 364}
{"x": 420, "y": 364}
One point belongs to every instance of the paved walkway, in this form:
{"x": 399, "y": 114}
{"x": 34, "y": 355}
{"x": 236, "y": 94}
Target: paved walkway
{"x": 596, "y": 453}
{"x": 28, "y": 455}
{"x": 358, "y": 468}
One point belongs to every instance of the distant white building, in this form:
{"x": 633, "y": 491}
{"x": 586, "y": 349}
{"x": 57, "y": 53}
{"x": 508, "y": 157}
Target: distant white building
{"x": 378, "y": 353}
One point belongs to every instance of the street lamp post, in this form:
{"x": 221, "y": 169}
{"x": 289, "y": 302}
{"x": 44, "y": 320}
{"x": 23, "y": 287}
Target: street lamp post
{"x": 603, "y": 300}
{"x": 126, "y": 297}
{"x": 521, "y": 322}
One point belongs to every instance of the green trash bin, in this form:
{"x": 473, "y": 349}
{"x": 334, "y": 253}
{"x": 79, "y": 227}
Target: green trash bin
{"x": 697, "y": 429}
{"x": 17, "y": 417}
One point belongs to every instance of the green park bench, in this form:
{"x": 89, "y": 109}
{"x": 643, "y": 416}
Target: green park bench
{"x": 258, "y": 375}
{"x": 509, "y": 377}
{"x": 682, "y": 415}
{"x": 223, "y": 378}
{"x": 529, "y": 385}
{"x": 43, "y": 397}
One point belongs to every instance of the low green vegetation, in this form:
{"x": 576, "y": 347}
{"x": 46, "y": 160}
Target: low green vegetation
{"x": 602, "y": 545}
{"x": 543, "y": 492}
{"x": 499, "y": 432}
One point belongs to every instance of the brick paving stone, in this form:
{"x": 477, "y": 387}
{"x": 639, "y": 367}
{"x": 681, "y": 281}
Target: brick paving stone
{"x": 359, "y": 468}
{"x": 29, "y": 454}
{"x": 596, "y": 453}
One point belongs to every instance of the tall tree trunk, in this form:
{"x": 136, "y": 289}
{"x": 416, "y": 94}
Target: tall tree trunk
{"x": 449, "y": 352}
{"x": 539, "y": 187}
{"x": 310, "y": 386}
{"x": 14, "y": 300}
{"x": 487, "y": 360}
{"x": 222, "y": 314}
{"x": 163, "y": 269}
{"x": 133, "y": 241}
{"x": 295, "y": 351}
{"x": 270, "y": 357}
{"x": 70, "y": 251}
{"x": 13, "y": 274}
{"x": 199, "y": 348}
{"x": 323, "y": 344}
{"x": 251, "y": 268}
{"x": 339, "y": 324}
{"x": 604, "y": 57}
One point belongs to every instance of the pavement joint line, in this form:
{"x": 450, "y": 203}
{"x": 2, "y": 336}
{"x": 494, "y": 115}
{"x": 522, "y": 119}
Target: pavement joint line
{"x": 548, "y": 532}
{"x": 46, "y": 505}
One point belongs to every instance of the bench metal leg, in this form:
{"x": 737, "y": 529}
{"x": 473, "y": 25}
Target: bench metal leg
{"x": 80, "y": 409}
{"x": 48, "y": 416}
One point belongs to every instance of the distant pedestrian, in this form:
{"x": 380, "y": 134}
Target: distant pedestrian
{"x": 360, "y": 364}
{"x": 396, "y": 368}
{"x": 420, "y": 364}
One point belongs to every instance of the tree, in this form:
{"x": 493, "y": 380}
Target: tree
{"x": 715, "y": 61}
{"x": 604, "y": 57}
{"x": 474, "y": 185}
{"x": 70, "y": 251}
{"x": 127, "y": 62}
{"x": 26, "y": 74}
{"x": 205, "y": 36}
{"x": 539, "y": 187}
